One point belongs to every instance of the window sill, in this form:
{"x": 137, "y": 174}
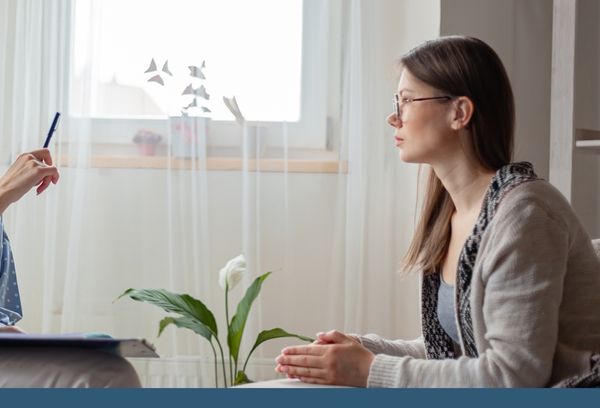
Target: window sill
{"x": 220, "y": 159}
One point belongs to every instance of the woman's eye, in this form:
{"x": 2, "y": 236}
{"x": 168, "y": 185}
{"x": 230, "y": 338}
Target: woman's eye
{"x": 405, "y": 100}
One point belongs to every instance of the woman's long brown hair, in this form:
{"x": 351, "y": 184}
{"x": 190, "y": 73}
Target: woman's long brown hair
{"x": 460, "y": 66}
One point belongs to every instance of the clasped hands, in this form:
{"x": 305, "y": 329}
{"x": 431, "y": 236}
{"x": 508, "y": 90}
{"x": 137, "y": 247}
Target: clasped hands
{"x": 333, "y": 359}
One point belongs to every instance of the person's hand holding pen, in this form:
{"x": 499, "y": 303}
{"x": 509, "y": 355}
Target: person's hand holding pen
{"x": 29, "y": 170}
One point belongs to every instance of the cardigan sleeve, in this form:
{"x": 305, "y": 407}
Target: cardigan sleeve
{"x": 522, "y": 275}
{"x": 378, "y": 345}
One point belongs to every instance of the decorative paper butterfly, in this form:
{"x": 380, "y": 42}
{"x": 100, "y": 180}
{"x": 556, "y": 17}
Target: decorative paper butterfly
{"x": 157, "y": 78}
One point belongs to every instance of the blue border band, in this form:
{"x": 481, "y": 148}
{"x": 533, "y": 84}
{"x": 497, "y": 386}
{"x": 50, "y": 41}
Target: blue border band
{"x": 289, "y": 398}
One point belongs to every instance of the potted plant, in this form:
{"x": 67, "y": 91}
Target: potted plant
{"x": 190, "y": 313}
{"x": 146, "y": 140}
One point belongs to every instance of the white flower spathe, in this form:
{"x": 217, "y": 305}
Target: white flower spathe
{"x": 232, "y": 272}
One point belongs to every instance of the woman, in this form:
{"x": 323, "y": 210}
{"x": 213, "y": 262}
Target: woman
{"x": 510, "y": 280}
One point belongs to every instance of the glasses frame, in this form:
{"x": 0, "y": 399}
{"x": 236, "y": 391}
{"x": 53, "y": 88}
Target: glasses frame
{"x": 398, "y": 102}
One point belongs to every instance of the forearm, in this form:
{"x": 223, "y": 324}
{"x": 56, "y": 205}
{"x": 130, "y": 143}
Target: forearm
{"x": 4, "y": 200}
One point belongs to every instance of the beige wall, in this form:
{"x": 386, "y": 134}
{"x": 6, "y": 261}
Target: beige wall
{"x": 586, "y": 172}
{"x": 521, "y": 34}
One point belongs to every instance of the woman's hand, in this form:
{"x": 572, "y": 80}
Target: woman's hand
{"x": 30, "y": 169}
{"x": 333, "y": 359}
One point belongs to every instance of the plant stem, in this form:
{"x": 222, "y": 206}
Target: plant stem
{"x": 246, "y": 362}
{"x": 231, "y": 379}
{"x": 215, "y": 357}
{"x": 222, "y": 361}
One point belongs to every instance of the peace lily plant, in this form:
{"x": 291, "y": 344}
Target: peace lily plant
{"x": 192, "y": 314}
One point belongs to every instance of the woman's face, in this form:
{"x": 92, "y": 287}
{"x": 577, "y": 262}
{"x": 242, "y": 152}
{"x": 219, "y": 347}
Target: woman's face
{"x": 422, "y": 130}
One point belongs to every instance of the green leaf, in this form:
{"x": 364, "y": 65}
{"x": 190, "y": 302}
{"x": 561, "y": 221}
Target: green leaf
{"x": 241, "y": 378}
{"x": 184, "y": 305}
{"x": 271, "y": 334}
{"x": 276, "y": 333}
{"x": 185, "y": 323}
{"x": 238, "y": 322}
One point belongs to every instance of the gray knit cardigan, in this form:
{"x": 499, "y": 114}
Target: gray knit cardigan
{"x": 527, "y": 297}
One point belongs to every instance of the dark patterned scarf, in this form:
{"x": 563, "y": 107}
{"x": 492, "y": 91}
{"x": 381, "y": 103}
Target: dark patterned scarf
{"x": 438, "y": 345}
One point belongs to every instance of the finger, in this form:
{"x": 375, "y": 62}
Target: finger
{"x": 313, "y": 380}
{"x": 43, "y": 185}
{"x": 347, "y": 336}
{"x": 43, "y": 155}
{"x": 334, "y": 336}
{"x": 321, "y": 339}
{"x": 312, "y": 350}
{"x": 48, "y": 171}
{"x": 52, "y": 173}
{"x": 279, "y": 370}
{"x": 47, "y": 175}
{"x": 303, "y": 371}
{"x": 300, "y": 361}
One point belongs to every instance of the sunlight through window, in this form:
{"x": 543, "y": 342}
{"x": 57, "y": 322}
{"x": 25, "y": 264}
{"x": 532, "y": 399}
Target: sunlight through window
{"x": 252, "y": 49}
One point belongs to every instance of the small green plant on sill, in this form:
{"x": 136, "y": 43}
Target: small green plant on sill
{"x": 192, "y": 314}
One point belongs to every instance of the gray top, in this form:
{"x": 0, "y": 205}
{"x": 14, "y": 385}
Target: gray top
{"x": 445, "y": 310}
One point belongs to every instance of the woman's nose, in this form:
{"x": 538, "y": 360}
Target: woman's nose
{"x": 394, "y": 121}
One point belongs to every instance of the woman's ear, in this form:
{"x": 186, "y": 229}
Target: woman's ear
{"x": 462, "y": 112}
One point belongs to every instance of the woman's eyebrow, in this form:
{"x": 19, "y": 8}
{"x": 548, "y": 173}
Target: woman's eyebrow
{"x": 401, "y": 91}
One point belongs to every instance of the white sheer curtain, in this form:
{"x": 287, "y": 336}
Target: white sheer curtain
{"x": 33, "y": 59}
{"x": 376, "y": 201}
{"x": 334, "y": 241}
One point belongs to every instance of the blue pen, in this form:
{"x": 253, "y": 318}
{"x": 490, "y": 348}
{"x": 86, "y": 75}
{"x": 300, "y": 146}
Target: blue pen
{"x": 52, "y": 129}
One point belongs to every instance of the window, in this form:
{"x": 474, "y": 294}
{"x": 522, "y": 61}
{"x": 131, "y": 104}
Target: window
{"x": 271, "y": 54}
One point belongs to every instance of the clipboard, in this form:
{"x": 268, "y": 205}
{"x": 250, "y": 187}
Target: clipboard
{"x": 131, "y": 347}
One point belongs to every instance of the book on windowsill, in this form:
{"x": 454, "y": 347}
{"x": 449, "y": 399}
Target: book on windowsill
{"x": 131, "y": 347}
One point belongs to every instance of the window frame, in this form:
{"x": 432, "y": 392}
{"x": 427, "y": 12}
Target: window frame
{"x": 320, "y": 96}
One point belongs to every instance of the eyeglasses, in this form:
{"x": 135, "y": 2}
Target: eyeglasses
{"x": 400, "y": 102}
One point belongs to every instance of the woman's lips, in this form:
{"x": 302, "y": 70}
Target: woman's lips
{"x": 398, "y": 140}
